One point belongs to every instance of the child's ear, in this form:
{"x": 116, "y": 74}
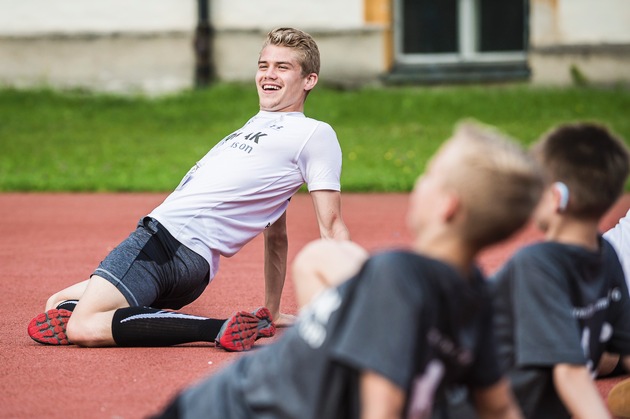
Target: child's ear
{"x": 561, "y": 196}
{"x": 450, "y": 206}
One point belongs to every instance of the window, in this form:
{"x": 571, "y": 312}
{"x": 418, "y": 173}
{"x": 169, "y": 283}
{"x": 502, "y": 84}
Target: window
{"x": 461, "y": 32}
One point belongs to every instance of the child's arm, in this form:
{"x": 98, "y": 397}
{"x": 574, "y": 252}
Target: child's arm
{"x": 497, "y": 402}
{"x": 578, "y": 392}
{"x": 380, "y": 398}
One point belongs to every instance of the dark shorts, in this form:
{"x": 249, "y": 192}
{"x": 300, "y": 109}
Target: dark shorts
{"x": 151, "y": 268}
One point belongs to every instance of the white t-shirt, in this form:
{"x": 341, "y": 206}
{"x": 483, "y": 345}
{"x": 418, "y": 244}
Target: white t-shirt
{"x": 243, "y": 184}
{"x": 619, "y": 237}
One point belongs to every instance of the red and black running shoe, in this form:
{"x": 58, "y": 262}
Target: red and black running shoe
{"x": 49, "y": 328}
{"x": 238, "y": 333}
{"x": 266, "y": 327}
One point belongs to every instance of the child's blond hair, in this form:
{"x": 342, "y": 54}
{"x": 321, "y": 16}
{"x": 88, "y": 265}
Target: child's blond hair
{"x": 498, "y": 182}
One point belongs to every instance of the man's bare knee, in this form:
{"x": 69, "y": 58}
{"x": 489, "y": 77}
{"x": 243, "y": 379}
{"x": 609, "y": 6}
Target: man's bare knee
{"x": 335, "y": 261}
{"x": 305, "y": 261}
{"x": 325, "y": 263}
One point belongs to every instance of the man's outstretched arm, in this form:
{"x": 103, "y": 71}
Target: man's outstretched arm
{"x": 327, "y": 206}
{"x": 276, "y": 249}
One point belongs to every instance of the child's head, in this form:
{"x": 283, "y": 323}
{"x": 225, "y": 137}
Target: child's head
{"x": 489, "y": 183}
{"x": 585, "y": 166}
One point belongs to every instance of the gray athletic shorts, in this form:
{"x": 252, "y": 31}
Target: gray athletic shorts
{"x": 151, "y": 268}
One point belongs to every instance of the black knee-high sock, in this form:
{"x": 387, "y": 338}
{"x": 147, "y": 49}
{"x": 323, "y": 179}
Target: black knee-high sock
{"x": 67, "y": 305}
{"x": 146, "y": 326}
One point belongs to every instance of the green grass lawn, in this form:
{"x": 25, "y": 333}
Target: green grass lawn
{"x": 76, "y": 141}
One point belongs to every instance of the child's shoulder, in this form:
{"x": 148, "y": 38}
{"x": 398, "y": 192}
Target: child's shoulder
{"x": 407, "y": 259}
{"x": 403, "y": 266}
{"x": 533, "y": 263}
{"x": 543, "y": 250}
{"x": 552, "y": 250}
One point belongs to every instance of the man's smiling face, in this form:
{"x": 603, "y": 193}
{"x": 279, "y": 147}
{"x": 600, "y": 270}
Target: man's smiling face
{"x": 279, "y": 80}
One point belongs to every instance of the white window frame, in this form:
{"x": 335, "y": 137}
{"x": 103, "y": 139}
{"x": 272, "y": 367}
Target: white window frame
{"x": 468, "y": 20}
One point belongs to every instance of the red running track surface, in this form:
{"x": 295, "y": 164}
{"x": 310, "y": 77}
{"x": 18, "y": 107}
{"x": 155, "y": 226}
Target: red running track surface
{"x": 50, "y": 241}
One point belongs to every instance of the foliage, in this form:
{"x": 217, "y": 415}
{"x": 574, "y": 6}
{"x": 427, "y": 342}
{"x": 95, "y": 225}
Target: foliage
{"x": 80, "y": 141}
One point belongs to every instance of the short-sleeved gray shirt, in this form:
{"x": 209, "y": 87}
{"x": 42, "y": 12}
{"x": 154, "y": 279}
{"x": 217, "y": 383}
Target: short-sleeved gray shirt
{"x": 558, "y": 304}
{"x": 400, "y": 313}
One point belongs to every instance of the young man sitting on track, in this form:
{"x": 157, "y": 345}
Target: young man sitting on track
{"x": 241, "y": 188}
{"x": 561, "y": 303}
{"x": 409, "y": 326}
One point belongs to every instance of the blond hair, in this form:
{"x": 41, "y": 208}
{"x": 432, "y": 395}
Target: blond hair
{"x": 301, "y": 42}
{"x": 498, "y": 182}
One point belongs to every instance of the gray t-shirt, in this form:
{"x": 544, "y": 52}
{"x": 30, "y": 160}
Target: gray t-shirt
{"x": 558, "y": 304}
{"x": 400, "y": 314}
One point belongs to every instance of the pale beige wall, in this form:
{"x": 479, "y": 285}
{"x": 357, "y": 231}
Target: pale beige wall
{"x": 139, "y": 45}
{"x": 574, "y": 22}
{"x": 37, "y": 17}
{"x": 153, "y": 64}
{"x": 305, "y": 14}
{"x": 590, "y": 38}
{"x": 124, "y": 45}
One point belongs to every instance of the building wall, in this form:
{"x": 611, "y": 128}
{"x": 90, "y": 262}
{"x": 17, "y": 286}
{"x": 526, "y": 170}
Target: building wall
{"x": 580, "y": 41}
{"x": 579, "y": 22}
{"x": 314, "y": 15}
{"x": 135, "y": 45}
{"x": 151, "y": 63}
{"x": 118, "y": 45}
{"x": 43, "y": 17}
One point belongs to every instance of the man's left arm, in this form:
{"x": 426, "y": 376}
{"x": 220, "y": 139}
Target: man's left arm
{"x": 327, "y": 205}
{"x": 276, "y": 250}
